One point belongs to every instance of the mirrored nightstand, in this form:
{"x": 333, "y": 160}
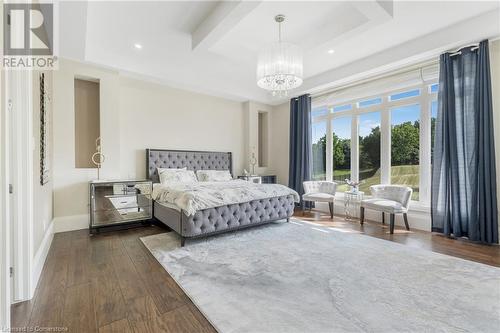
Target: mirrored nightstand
{"x": 119, "y": 202}
{"x": 253, "y": 179}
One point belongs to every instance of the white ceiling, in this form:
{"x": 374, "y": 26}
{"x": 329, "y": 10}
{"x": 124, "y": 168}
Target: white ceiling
{"x": 212, "y": 46}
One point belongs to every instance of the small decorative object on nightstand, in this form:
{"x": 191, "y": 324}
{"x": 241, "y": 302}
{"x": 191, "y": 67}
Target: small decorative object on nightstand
{"x": 352, "y": 200}
{"x": 119, "y": 202}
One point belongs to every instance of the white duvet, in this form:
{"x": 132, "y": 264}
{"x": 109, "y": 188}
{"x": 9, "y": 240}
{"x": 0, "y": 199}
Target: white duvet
{"x": 195, "y": 196}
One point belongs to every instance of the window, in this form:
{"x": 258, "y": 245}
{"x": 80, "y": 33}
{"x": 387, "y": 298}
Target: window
{"x": 405, "y": 147}
{"x": 433, "y": 126}
{"x": 319, "y": 112}
{"x": 370, "y": 102}
{"x": 403, "y": 95}
{"x": 341, "y": 159}
{"x": 319, "y": 151}
{"x": 363, "y": 125}
{"x": 341, "y": 108}
{"x": 433, "y": 88}
{"x": 369, "y": 150}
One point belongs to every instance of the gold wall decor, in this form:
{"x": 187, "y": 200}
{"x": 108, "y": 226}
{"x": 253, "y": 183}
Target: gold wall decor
{"x": 98, "y": 157}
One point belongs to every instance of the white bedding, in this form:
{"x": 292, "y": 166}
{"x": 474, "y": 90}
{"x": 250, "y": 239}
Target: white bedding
{"x": 191, "y": 197}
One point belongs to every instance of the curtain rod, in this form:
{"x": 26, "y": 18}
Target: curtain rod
{"x": 473, "y": 47}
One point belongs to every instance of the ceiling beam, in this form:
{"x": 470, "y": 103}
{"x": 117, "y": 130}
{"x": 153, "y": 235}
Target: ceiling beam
{"x": 355, "y": 18}
{"x": 220, "y": 21}
{"x": 375, "y": 10}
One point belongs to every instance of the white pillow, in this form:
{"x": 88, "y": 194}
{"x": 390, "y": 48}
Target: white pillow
{"x": 160, "y": 170}
{"x": 213, "y": 175}
{"x": 177, "y": 176}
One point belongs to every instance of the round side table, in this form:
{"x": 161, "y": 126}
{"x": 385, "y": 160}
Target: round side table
{"x": 352, "y": 201}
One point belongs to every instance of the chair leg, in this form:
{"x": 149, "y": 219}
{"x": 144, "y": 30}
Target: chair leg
{"x": 405, "y": 216}
{"x": 330, "y": 205}
{"x": 392, "y": 224}
{"x": 183, "y": 241}
{"x": 383, "y": 218}
{"x": 362, "y": 215}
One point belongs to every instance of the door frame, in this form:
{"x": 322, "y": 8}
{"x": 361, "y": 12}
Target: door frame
{"x": 5, "y": 284}
{"x": 19, "y": 89}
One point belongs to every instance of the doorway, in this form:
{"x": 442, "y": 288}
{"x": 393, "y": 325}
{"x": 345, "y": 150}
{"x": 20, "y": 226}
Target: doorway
{"x": 18, "y": 200}
{"x": 5, "y": 234}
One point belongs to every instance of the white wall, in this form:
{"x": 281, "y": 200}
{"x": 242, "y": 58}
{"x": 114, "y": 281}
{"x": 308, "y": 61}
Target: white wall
{"x": 155, "y": 116}
{"x": 134, "y": 115}
{"x": 70, "y": 183}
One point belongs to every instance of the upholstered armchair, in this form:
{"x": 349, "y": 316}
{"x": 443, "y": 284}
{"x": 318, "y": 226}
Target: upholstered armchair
{"x": 320, "y": 191}
{"x": 391, "y": 199}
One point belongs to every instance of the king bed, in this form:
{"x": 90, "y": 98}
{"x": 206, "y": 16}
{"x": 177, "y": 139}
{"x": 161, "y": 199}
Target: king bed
{"x": 199, "y": 209}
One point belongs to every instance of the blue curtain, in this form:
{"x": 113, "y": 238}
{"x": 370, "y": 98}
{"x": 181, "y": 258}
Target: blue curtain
{"x": 464, "y": 199}
{"x": 300, "y": 142}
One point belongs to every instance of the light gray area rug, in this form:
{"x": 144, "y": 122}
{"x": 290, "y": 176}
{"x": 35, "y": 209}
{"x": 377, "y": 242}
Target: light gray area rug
{"x": 298, "y": 277}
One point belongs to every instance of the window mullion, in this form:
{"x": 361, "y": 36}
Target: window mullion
{"x": 425, "y": 147}
{"x": 329, "y": 150}
{"x": 385, "y": 149}
{"x": 354, "y": 148}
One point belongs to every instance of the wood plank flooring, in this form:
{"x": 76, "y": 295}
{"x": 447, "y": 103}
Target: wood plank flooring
{"x": 111, "y": 283}
{"x": 108, "y": 283}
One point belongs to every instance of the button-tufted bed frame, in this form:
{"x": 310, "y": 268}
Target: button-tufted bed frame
{"x": 212, "y": 220}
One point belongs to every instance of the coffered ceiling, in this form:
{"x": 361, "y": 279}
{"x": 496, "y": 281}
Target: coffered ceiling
{"x": 212, "y": 46}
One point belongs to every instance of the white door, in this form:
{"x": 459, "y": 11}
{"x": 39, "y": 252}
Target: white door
{"x": 11, "y": 201}
{"x": 20, "y": 156}
{"x": 5, "y": 298}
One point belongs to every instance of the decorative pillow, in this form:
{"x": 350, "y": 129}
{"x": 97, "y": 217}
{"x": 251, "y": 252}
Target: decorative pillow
{"x": 160, "y": 170}
{"x": 213, "y": 175}
{"x": 176, "y": 176}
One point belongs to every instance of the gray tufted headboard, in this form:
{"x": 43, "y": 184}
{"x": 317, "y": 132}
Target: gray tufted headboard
{"x": 193, "y": 160}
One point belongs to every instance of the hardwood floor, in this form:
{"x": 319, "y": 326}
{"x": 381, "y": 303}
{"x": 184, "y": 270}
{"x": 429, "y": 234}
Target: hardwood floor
{"x": 108, "y": 283}
{"x": 111, "y": 283}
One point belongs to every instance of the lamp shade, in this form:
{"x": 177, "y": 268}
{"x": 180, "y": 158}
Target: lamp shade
{"x": 279, "y": 68}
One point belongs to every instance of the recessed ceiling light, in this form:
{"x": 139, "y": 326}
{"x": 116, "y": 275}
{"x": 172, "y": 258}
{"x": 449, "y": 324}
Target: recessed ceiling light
{"x": 138, "y": 46}
{"x": 331, "y": 51}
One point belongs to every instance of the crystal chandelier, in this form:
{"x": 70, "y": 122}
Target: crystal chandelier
{"x": 279, "y": 68}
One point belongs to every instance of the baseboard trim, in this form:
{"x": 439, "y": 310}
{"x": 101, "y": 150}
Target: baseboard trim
{"x": 40, "y": 257}
{"x": 70, "y": 223}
